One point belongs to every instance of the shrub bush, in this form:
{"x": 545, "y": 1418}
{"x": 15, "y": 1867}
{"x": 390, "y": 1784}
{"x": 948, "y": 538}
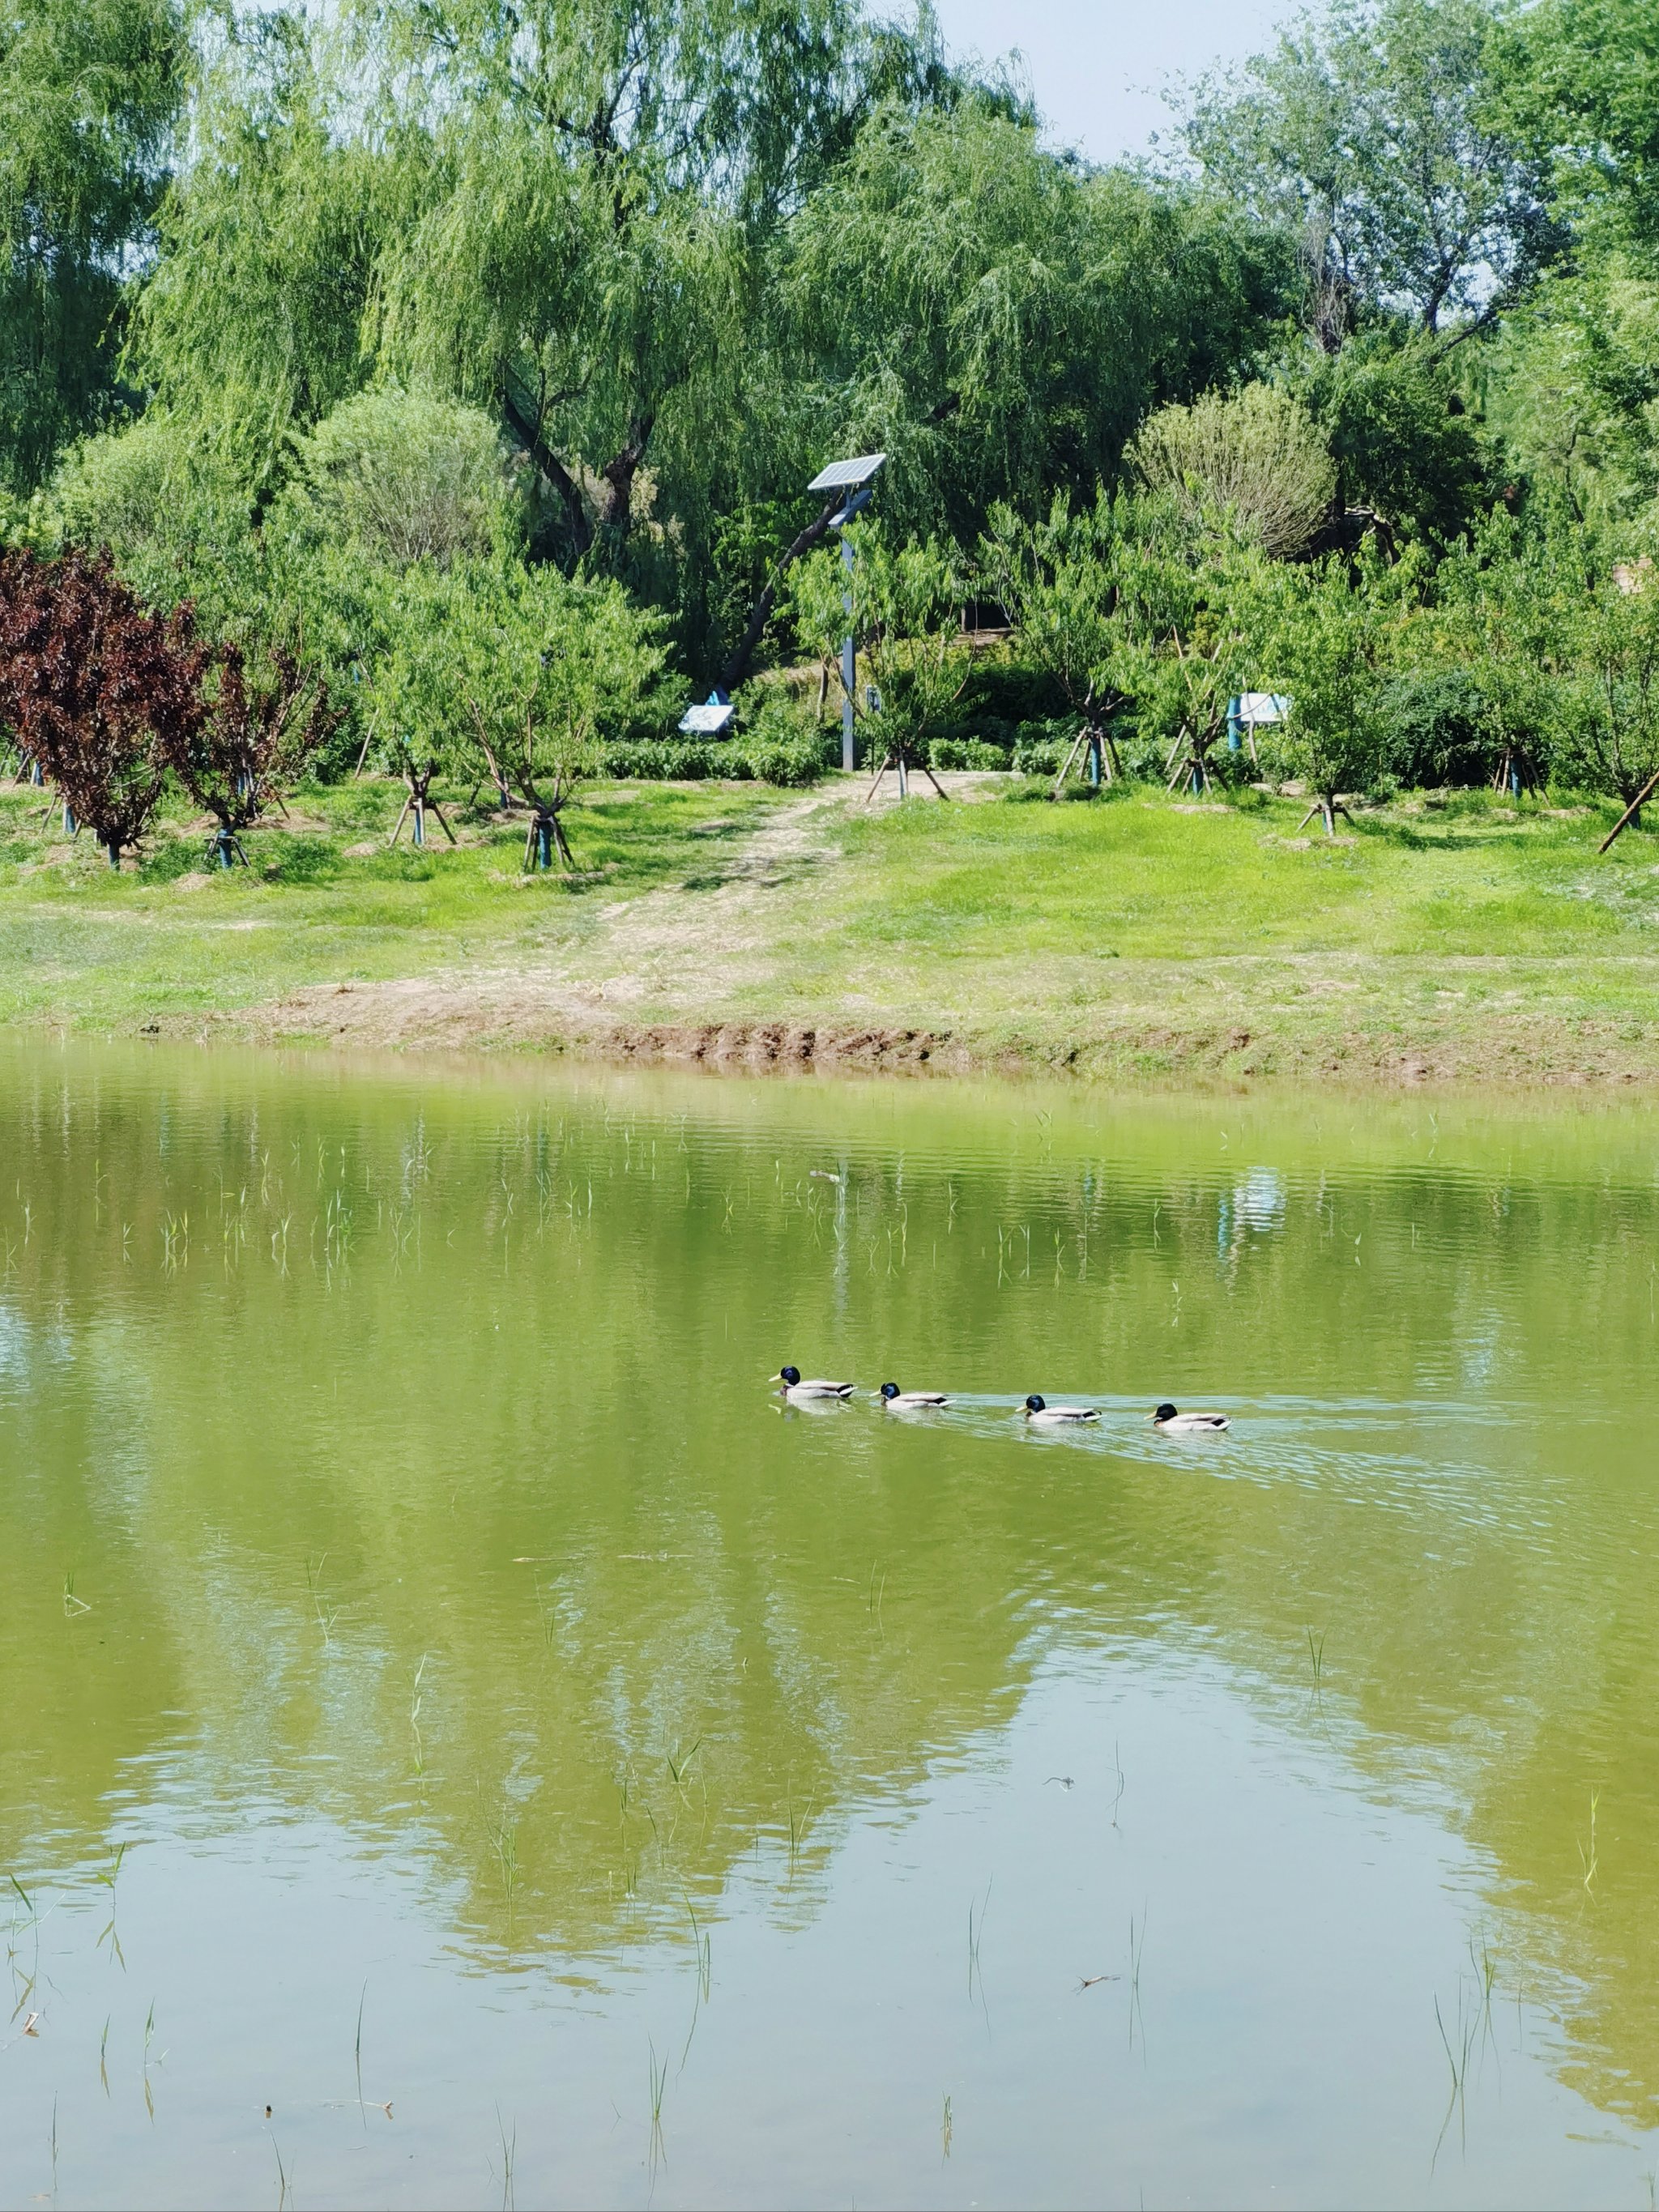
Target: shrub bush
{"x": 1431, "y": 730}
{"x": 968, "y": 753}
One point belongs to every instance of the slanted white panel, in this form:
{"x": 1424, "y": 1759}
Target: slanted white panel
{"x": 847, "y": 475}
{"x": 1260, "y": 707}
{"x": 709, "y": 721}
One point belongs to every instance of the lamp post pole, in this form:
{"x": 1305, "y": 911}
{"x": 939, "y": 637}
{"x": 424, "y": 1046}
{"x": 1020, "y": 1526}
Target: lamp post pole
{"x": 848, "y": 661}
{"x": 852, "y": 479}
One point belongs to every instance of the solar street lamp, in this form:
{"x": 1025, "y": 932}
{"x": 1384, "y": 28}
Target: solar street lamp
{"x": 853, "y": 479}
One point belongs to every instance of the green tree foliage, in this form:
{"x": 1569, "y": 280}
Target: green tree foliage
{"x": 1402, "y": 437}
{"x": 170, "y": 509}
{"x": 1607, "y": 736}
{"x": 1254, "y": 454}
{"x": 998, "y": 321}
{"x": 1582, "y": 85}
{"x": 404, "y": 476}
{"x": 252, "y": 325}
{"x": 89, "y": 91}
{"x": 1060, "y": 579}
{"x": 521, "y": 674}
{"x": 1374, "y": 130}
{"x": 1327, "y": 642}
{"x": 908, "y": 622}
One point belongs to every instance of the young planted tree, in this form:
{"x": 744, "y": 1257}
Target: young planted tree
{"x": 519, "y": 673}
{"x": 907, "y": 614}
{"x": 1059, "y": 579}
{"x": 1189, "y": 584}
{"x": 547, "y": 669}
{"x": 253, "y": 739}
{"x": 1610, "y": 731}
{"x": 1327, "y": 642}
{"x": 100, "y": 690}
{"x": 1506, "y": 617}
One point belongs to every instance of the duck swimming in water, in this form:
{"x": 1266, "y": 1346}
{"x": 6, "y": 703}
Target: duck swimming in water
{"x": 794, "y": 1387}
{"x": 1038, "y": 1410}
{"x": 1187, "y": 1424}
{"x": 910, "y": 1401}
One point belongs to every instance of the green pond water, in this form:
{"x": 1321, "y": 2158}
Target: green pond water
{"x": 464, "y": 1741}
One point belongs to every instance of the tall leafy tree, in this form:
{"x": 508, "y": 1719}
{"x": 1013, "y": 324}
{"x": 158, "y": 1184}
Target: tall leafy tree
{"x": 998, "y": 320}
{"x": 1582, "y": 83}
{"x": 90, "y": 92}
{"x": 604, "y": 173}
{"x": 1375, "y": 129}
{"x": 253, "y": 326}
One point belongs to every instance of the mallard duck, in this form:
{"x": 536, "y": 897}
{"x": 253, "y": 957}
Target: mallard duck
{"x": 910, "y": 1401}
{"x": 1052, "y": 1416}
{"x": 794, "y": 1387}
{"x": 1188, "y": 1425}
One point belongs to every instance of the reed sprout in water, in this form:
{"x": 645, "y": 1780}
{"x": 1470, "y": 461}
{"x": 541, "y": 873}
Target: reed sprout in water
{"x": 1590, "y": 1857}
{"x": 659, "y": 2090}
{"x": 509, "y": 2153}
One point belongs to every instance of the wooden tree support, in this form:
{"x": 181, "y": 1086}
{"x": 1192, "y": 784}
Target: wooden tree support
{"x": 1329, "y": 809}
{"x": 419, "y": 799}
{"x": 224, "y": 846}
{"x": 1104, "y": 758}
{"x": 545, "y": 837}
{"x": 900, "y": 760}
{"x": 1632, "y": 812}
{"x": 1515, "y": 772}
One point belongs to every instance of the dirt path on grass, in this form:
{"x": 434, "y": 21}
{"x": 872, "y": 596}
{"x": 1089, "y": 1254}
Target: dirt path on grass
{"x": 623, "y": 983}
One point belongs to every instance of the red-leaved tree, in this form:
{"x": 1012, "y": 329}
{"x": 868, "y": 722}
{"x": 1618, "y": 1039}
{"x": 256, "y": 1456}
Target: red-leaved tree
{"x": 252, "y": 739}
{"x": 96, "y": 687}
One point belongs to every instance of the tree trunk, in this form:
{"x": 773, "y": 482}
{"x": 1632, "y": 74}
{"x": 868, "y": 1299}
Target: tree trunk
{"x": 620, "y": 472}
{"x": 530, "y": 437}
{"x": 737, "y": 667}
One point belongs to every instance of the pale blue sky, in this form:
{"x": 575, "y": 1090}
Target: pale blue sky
{"x": 1098, "y": 66}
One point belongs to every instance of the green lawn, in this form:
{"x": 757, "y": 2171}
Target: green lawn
{"x": 325, "y": 898}
{"x": 1131, "y": 933}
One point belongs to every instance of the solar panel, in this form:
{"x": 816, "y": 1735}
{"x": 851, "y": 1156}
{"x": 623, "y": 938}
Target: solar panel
{"x": 847, "y": 475}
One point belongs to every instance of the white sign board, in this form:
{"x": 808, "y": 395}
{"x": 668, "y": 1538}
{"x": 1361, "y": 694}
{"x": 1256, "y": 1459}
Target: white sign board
{"x": 1258, "y": 708}
{"x": 712, "y": 721}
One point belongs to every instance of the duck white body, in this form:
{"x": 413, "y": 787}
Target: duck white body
{"x": 911, "y": 1401}
{"x": 1046, "y": 1416}
{"x": 794, "y": 1387}
{"x": 1188, "y": 1425}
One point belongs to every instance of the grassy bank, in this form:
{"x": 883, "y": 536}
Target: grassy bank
{"x": 1457, "y": 939}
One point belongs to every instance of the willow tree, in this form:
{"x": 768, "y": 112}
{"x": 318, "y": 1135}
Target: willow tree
{"x": 585, "y": 258}
{"x": 89, "y": 91}
{"x": 996, "y": 320}
{"x": 251, "y": 327}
